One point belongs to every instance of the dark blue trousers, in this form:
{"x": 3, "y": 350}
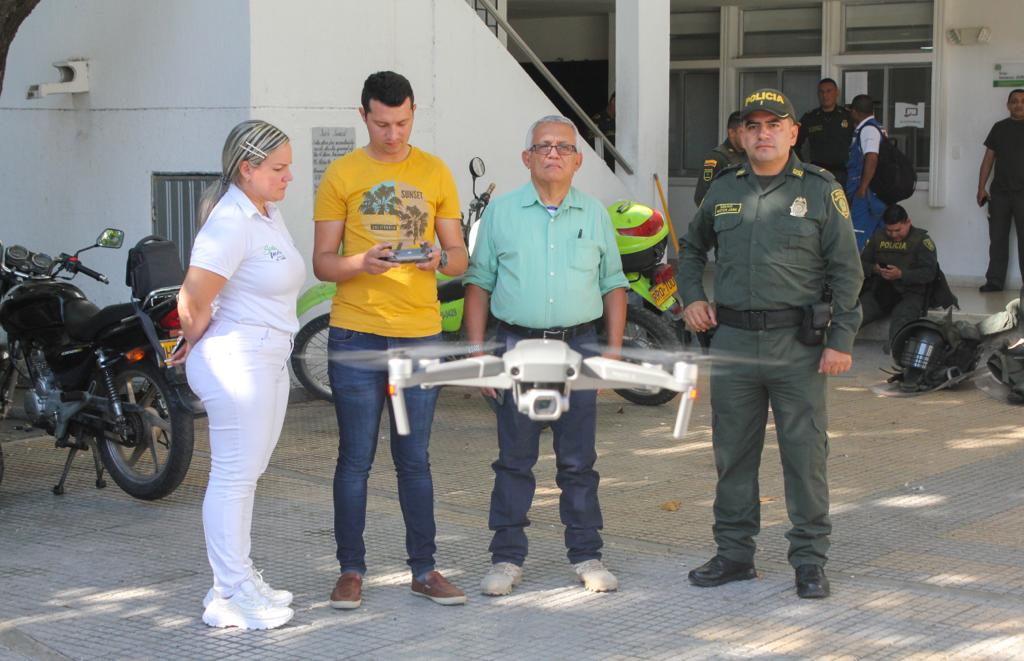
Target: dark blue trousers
{"x": 514, "y": 482}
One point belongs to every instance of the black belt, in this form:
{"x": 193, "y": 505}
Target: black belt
{"x": 547, "y": 333}
{"x": 760, "y": 319}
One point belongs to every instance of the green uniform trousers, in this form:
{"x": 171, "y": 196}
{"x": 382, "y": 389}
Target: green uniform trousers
{"x": 881, "y": 299}
{"x": 788, "y": 379}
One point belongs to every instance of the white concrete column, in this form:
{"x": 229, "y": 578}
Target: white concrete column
{"x": 641, "y": 94}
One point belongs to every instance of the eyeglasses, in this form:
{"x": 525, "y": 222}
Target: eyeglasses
{"x": 545, "y": 149}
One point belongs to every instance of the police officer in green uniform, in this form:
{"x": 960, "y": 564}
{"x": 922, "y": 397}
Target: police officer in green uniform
{"x": 828, "y": 130}
{"x": 899, "y": 264}
{"x": 784, "y": 239}
{"x": 730, "y": 152}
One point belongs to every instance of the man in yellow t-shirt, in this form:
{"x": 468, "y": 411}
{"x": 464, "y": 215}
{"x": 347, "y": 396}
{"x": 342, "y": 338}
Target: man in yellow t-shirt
{"x": 371, "y": 202}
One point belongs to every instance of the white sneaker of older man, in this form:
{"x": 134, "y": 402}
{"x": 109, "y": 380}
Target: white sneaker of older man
{"x": 502, "y": 577}
{"x": 275, "y": 597}
{"x": 595, "y": 577}
{"x": 246, "y": 609}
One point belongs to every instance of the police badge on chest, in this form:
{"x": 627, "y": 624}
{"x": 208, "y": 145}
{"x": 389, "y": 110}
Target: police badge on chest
{"x": 799, "y": 207}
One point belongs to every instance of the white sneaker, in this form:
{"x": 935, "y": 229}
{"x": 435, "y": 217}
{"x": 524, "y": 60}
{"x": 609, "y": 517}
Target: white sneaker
{"x": 246, "y": 609}
{"x": 595, "y": 577}
{"x": 501, "y": 578}
{"x": 275, "y": 597}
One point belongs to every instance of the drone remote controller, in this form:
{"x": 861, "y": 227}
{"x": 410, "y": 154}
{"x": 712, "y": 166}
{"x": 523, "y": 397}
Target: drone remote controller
{"x": 407, "y": 255}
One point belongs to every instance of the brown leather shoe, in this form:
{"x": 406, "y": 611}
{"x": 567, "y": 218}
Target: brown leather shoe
{"x": 348, "y": 591}
{"x": 439, "y": 590}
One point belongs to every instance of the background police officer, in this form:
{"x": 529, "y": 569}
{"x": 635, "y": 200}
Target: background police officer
{"x": 899, "y": 263}
{"x": 728, "y": 153}
{"x": 827, "y": 130}
{"x": 783, "y": 234}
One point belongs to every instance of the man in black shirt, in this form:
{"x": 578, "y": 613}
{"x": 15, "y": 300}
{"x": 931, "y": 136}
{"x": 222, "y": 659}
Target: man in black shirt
{"x": 828, "y": 131}
{"x": 1004, "y": 147}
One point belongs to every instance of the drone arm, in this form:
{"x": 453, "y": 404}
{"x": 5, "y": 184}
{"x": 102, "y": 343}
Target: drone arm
{"x": 481, "y": 371}
{"x": 598, "y": 372}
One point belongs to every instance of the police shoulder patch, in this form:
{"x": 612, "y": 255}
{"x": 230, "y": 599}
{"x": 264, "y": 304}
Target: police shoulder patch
{"x": 839, "y": 200}
{"x": 710, "y": 163}
{"x": 929, "y": 244}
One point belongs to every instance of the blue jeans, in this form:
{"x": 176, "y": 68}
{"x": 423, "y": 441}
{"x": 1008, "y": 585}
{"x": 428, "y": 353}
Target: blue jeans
{"x": 360, "y": 392}
{"x": 514, "y": 483}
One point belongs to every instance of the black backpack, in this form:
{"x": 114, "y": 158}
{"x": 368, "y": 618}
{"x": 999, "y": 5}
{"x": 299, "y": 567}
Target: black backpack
{"x": 153, "y": 264}
{"x": 895, "y": 177}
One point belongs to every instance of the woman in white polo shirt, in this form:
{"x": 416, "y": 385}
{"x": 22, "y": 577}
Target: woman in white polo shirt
{"x": 237, "y": 308}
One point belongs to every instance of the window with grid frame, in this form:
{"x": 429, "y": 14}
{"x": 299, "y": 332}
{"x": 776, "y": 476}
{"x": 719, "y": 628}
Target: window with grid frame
{"x": 888, "y": 85}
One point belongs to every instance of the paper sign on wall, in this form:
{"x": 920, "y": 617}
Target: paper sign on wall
{"x": 909, "y": 115}
{"x": 1008, "y": 74}
{"x": 329, "y": 143}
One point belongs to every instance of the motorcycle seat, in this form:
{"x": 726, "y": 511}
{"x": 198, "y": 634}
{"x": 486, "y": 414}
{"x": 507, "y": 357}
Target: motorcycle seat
{"x": 451, "y": 290}
{"x": 83, "y": 320}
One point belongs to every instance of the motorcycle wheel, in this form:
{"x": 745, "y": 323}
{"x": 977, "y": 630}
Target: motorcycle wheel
{"x": 152, "y": 455}
{"x": 647, "y": 330}
{"x": 309, "y": 357}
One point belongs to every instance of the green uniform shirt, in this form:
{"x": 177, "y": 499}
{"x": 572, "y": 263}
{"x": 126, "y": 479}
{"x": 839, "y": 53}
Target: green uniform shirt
{"x": 915, "y": 256}
{"x": 777, "y": 248}
{"x": 715, "y": 161}
{"x": 546, "y": 271}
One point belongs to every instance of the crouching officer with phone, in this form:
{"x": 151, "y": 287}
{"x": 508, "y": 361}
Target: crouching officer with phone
{"x": 784, "y": 241}
{"x": 899, "y": 263}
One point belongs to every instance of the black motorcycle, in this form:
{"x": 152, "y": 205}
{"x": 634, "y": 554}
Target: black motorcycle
{"x": 97, "y": 378}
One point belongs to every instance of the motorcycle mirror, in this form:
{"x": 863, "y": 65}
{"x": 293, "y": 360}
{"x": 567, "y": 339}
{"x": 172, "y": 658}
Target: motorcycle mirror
{"x": 476, "y": 167}
{"x": 110, "y": 238}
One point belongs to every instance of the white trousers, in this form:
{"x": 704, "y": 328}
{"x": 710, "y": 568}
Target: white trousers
{"x": 240, "y": 372}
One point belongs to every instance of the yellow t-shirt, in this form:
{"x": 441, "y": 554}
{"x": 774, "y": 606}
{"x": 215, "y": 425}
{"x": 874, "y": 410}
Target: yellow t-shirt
{"x": 393, "y": 202}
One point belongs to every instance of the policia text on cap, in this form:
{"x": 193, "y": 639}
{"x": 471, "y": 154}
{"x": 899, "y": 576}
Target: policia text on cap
{"x": 784, "y": 236}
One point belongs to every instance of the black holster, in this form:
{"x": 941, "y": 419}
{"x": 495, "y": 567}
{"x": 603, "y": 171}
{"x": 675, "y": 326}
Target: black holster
{"x": 817, "y": 319}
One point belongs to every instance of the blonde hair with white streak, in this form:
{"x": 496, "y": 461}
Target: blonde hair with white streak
{"x": 252, "y": 141}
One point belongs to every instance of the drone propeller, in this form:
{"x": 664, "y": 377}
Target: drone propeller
{"x": 426, "y": 351}
{"x": 662, "y": 357}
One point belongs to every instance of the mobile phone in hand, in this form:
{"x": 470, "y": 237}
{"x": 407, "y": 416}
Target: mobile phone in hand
{"x": 883, "y": 265}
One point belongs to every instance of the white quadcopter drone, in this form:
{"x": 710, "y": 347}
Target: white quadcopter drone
{"x": 541, "y": 374}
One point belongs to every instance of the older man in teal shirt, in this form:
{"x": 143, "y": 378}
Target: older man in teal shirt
{"x": 546, "y": 265}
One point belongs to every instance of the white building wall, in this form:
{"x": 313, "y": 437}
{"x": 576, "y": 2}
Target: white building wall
{"x": 972, "y": 106}
{"x": 167, "y": 80}
{"x": 472, "y": 97}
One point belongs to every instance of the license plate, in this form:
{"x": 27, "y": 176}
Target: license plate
{"x": 168, "y": 346}
{"x": 664, "y": 291}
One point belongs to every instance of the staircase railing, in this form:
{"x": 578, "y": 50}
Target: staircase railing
{"x": 604, "y": 144}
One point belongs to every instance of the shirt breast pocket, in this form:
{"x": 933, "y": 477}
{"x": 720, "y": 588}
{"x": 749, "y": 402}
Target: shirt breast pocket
{"x": 795, "y": 240}
{"x": 585, "y": 255}
{"x": 727, "y": 235}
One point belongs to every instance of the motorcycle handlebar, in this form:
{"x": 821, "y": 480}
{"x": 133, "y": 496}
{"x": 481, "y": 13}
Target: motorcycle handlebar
{"x": 76, "y": 266}
{"x": 486, "y": 197}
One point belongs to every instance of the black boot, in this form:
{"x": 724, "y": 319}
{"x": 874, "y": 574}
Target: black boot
{"x": 811, "y": 582}
{"x": 720, "y": 570}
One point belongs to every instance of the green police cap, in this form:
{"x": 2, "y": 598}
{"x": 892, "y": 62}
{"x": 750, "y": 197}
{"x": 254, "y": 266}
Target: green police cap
{"x": 768, "y": 100}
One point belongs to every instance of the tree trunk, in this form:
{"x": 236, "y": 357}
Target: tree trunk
{"x": 12, "y": 13}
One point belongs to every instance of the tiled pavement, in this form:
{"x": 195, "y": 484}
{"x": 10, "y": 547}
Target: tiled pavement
{"x": 927, "y": 558}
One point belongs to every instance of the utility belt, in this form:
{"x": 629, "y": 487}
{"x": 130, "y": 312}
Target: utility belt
{"x": 812, "y": 320}
{"x": 563, "y": 334}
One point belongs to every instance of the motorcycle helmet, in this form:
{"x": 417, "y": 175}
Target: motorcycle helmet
{"x": 929, "y": 353}
{"x": 640, "y": 233}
